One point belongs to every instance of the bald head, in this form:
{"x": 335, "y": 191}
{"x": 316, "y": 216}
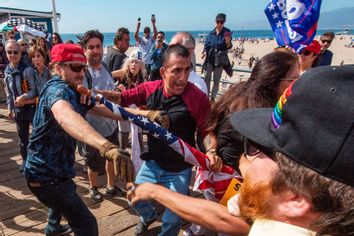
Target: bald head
{"x": 185, "y": 39}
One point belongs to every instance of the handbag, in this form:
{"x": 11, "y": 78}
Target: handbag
{"x": 221, "y": 59}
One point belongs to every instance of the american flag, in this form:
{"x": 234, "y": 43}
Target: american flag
{"x": 215, "y": 182}
{"x": 294, "y": 22}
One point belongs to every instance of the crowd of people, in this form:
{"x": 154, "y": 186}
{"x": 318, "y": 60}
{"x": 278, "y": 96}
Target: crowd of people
{"x": 287, "y": 131}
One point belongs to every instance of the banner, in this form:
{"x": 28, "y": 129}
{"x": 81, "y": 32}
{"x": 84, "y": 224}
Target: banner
{"x": 294, "y": 22}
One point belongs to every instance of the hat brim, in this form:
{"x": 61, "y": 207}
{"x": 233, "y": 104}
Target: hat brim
{"x": 254, "y": 124}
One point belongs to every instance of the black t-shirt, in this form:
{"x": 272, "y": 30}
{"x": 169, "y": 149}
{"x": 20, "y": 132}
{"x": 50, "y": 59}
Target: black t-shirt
{"x": 187, "y": 112}
{"x": 114, "y": 59}
{"x": 230, "y": 144}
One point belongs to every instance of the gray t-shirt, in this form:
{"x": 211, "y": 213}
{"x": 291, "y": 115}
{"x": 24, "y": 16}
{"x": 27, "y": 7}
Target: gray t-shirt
{"x": 101, "y": 79}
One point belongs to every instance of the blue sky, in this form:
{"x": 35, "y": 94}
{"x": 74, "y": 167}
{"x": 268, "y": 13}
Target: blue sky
{"x": 108, "y": 15}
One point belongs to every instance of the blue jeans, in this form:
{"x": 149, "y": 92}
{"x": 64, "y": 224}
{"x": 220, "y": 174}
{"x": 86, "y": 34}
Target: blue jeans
{"x": 62, "y": 200}
{"x": 151, "y": 172}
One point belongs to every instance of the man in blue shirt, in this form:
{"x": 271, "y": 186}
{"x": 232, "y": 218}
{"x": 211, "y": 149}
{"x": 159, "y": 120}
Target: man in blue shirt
{"x": 57, "y": 123}
{"x": 325, "y": 56}
{"x": 217, "y": 43}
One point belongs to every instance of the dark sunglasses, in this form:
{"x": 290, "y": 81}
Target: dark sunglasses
{"x": 326, "y": 41}
{"x": 220, "y": 22}
{"x": 12, "y": 52}
{"x": 306, "y": 53}
{"x": 23, "y": 45}
{"x": 251, "y": 148}
{"x": 76, "y": 68}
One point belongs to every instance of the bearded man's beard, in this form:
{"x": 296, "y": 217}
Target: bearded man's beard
{"x": 256, "y": 200}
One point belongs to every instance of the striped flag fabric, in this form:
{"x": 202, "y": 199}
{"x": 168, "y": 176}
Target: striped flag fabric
{"x": 215, "y": 182}
{"x": 294, "y": 22}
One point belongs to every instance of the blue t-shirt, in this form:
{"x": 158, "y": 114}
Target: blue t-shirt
{"x": 51, "y": 151}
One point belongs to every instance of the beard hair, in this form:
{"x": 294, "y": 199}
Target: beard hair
{"x": 256, "y": 200}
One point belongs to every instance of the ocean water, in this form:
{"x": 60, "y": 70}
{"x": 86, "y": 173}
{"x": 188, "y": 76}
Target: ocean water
{"x": 108, "y": 37}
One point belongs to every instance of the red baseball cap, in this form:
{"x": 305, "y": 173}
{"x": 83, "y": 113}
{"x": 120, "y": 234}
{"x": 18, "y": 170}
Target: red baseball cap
{"x": 314, "y": 47}
{"x": 67, "y": 52}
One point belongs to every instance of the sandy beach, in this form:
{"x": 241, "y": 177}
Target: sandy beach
{"x": 340, "y": 53}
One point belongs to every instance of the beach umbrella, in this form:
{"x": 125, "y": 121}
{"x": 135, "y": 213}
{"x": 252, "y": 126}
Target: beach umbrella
{"x": 24, "y": 25}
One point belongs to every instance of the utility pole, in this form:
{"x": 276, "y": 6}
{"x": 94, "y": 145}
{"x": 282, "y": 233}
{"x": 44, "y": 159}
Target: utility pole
{"x": 55, "y": 20}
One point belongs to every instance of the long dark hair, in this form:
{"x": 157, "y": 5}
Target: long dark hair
{"x": 260, "y": 90}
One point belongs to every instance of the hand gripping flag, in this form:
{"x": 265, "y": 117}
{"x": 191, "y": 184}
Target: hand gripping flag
{"x": 294, "y": 22}
{"x": 215, "y": 182}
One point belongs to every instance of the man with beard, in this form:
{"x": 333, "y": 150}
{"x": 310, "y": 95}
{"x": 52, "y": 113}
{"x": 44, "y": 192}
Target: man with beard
{"x": 297, "y": 167}
{"x": 57, "y": 124}
{"x": 98, "y": 77}
{"x": 114, "y": 59}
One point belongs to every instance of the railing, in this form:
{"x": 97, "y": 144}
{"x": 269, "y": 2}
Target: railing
{"x": 243, "y": 70}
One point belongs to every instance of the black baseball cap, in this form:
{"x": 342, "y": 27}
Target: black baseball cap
{"x": 312, "y": 123}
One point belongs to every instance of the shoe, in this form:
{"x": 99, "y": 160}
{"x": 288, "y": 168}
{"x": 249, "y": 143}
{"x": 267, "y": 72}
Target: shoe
{"x": 62, "y": 230}
{"x": 22, "y": 167}
{"x": 95, "y": 194}
{"x": 115, "y": 191}
{"x": 142, "y": 227}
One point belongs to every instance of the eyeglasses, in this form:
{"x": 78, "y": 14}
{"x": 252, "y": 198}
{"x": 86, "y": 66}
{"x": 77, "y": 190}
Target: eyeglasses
{"x": 252, "y": 149}
{"x": 306, "y": 53}
{"x": 76, "y": 68}
{"x": 326, "y": 41}
{"x": 220, "y": 22}
{"x": 12, "y": 52}
{"x": 23, "y": 45}
{"x": 160, "y": 37}
{"x": 147, "y": 31}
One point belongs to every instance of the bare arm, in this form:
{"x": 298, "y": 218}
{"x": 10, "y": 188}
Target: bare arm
{"x": 199, "y": 211}
{"x": 154, "y": 29}
{"x": 136, "y": 34}
{"x": 118, "y": 73}
{"x": 75, "y": 125}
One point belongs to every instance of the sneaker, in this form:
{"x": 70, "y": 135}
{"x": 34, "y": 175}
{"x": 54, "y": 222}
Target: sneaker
{"x": 142, "y": 227}
{"x": 62, "y": 230}
{"x": 115, "y": 191}
{"x": 95, "y": 194}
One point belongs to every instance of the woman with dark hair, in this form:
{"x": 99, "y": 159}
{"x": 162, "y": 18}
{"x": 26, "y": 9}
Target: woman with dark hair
{"x": 56, "y": 39}
{"x": 308, "y": 58}
{"x": 38, "y": 58}
{"x": 269, "y": 78}
{"x": 42, "y": 43}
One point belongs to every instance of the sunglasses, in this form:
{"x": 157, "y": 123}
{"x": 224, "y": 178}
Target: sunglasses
{"x": 23, "y": 45}
{"x": 326, "y": 41}
{"x": 306, "y": 53}
{"x": 76, "y": 68}
{"x": 12, "y": 52}
{"x": 220, "y": 22}
{"x": 252, "y": 149}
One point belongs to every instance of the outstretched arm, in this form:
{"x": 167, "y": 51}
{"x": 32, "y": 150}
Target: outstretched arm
{"x": 199, "y": 211}
{"x": 75, "y": 125}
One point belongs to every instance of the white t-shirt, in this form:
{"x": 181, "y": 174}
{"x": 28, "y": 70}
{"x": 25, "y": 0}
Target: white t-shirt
{"x": 144, "y": 47}
{"x": 198, "y": 81}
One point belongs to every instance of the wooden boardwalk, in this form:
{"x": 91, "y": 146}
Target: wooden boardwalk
{"x": 22, "y": 214}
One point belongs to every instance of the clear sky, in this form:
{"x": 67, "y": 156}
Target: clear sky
{"x": 108, "y": 15}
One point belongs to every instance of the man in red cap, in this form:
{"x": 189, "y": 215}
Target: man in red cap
{"x": 309, "y": 56}
{"x": 57, "y": 123}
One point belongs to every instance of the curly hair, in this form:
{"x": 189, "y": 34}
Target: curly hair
{"x": 91, "y": 34}
{"x": 259, "y": 91}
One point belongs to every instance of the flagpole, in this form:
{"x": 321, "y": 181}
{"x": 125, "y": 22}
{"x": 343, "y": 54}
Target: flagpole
{"x": 55, "y": 21}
